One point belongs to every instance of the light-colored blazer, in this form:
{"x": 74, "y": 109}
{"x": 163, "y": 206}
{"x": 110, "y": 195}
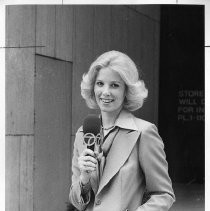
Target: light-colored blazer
{"x": 136, "y": 161}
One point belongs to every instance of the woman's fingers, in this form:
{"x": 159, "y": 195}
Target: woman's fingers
{"x": 86, "y": 161}
{"x": 89, "y": 159}
{"x": 88, "y": 152}
{"x": 86, "y": 168}
{"x": 89, "y": 164}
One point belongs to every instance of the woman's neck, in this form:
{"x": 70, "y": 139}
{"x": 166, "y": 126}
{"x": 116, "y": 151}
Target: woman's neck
{"x": 108, "y": 119}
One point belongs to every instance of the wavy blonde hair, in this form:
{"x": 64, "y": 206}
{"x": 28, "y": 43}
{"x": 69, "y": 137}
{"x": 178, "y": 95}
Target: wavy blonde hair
{"x": 136, "y": 91}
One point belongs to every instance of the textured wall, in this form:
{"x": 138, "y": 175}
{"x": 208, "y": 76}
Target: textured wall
{"x": 50, "y": 48}
{"x": 20, "y": 25}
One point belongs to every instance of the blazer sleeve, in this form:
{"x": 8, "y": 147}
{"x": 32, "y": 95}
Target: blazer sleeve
{"x": 76, "y": 195}
{"x": 155, "y": 167}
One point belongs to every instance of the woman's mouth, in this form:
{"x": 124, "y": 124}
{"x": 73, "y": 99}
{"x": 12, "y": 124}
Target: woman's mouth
{"x": 106, "y": 100}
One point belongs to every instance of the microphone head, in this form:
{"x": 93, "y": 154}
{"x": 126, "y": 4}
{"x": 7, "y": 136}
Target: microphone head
{"x": 92, "y": 124}
{"x": 91, "y": 130}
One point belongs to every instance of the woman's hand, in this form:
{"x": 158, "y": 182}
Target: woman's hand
{"x": 87, "y": 164}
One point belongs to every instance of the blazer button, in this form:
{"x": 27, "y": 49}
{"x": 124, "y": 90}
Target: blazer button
{"x": 98, "y": 202}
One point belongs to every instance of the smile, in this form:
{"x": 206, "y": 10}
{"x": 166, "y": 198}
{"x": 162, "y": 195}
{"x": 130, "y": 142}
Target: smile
{"x": 106, "y": 100}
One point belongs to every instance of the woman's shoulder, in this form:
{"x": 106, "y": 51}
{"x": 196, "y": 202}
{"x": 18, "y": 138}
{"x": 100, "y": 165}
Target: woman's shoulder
{"x": 144, "y": 124}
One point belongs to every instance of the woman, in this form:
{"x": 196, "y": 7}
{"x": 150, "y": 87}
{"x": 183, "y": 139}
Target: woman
{"x": 135, "y": 159}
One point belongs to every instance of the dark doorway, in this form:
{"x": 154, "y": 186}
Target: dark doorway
{"x": 181, "y": 93}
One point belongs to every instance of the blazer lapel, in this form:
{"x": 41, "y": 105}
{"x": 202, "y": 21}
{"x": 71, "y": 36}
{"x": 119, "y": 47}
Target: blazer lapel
{"x": 118, "y": 154}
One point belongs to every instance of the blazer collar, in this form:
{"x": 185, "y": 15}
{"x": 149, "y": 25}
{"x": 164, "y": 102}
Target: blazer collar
{"x": 126, "y": 120}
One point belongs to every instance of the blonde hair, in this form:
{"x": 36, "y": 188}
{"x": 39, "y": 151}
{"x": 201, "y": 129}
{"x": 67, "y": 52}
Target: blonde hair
{"x": 136, "y": 91}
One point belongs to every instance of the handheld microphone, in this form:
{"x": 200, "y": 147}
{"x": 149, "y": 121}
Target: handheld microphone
{"x": 91, "y": 129}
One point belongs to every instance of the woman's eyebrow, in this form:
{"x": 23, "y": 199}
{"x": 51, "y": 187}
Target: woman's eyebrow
{"x": 102, "y": 80}
{"x": 116, "y": 82}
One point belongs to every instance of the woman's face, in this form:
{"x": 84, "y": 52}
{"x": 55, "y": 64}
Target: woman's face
{"x": 109, "y": 91}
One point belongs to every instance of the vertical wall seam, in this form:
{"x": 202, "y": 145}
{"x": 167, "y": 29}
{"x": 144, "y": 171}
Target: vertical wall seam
{"x": 93, "y": 16}
{"x": 72, "y": 38}
{"x": 111, "y": 26}
{"x": 6, "y": 26}
{"x": 155, "y": 75}
{"x": 153, "y": 67}
{"x": 33, "y": 173}
{"x": 55, "y": 7}
{"x": 74, "y": 51}
{"x": 127, "y": 28}
{"x": 155, "y": 72}
{"x": 93, "y": 32}
{"x": 127, "y": 20}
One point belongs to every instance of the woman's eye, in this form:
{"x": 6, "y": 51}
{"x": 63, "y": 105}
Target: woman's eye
{"x": 115, "y": 85}
{"x": 99, "y": 83}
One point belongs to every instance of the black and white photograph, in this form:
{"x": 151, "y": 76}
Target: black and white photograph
{"x": 105, "y": 106}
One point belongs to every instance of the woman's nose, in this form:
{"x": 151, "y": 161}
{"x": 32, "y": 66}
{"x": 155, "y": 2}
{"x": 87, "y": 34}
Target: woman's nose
{"x": 106, "y": 91}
